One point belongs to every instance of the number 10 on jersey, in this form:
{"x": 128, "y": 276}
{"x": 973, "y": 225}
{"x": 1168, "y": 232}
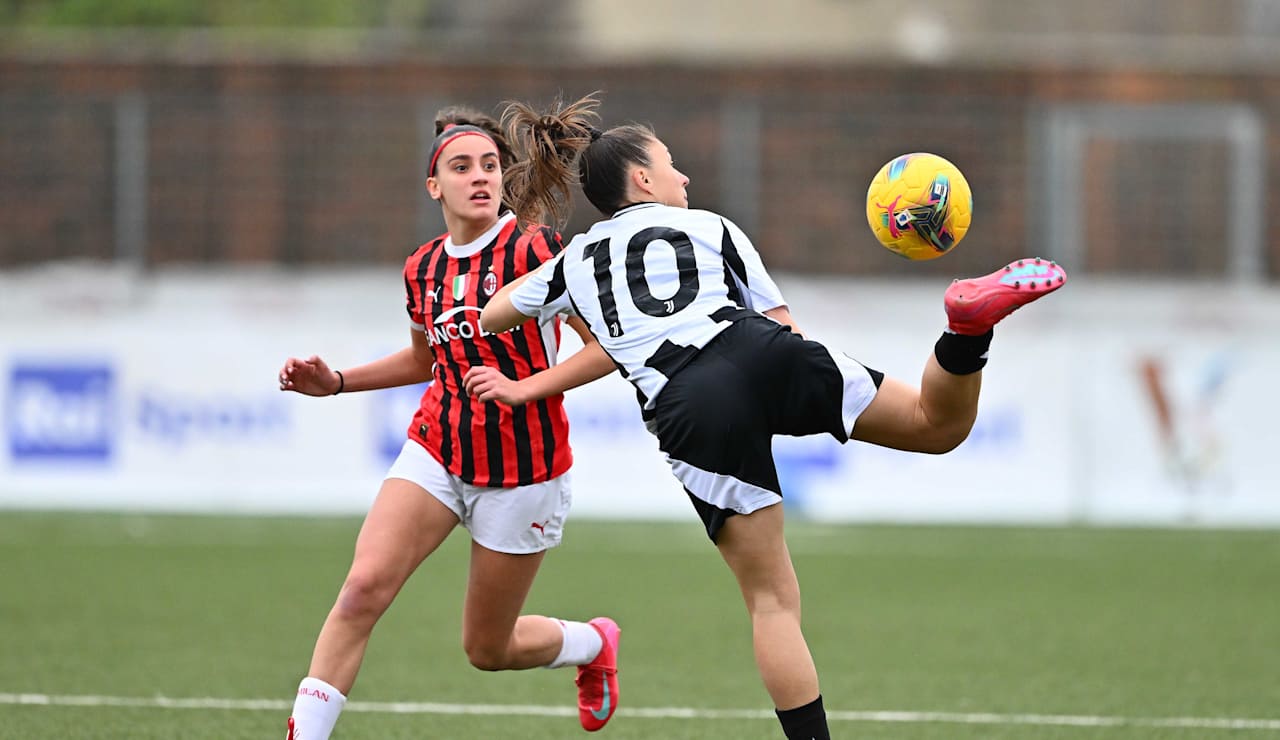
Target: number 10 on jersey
{"x": 637, "y": 279}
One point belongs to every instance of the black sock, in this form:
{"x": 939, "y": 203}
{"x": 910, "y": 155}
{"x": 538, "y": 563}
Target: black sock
{"x": 808, "y": 722}
{"x": 962, "y": 354}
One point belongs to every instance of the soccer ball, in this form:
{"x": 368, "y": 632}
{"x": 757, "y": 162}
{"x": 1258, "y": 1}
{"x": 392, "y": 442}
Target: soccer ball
{"x": 919, "y": 206}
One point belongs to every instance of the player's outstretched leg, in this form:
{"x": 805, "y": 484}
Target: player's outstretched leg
{"x": 975, "y": 305}
{"x": 598, "y": 680}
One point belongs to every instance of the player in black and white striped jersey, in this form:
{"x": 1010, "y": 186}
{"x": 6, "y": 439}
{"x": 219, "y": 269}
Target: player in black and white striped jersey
{"x": 682, "y": 303}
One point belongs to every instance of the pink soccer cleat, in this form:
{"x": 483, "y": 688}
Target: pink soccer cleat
{"x": 598, "y": 680}
{"x": 977, "y": 304}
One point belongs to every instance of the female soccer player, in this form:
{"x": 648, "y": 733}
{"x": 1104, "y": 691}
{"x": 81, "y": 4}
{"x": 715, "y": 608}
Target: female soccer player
{"x": 499, "y": 470}
{"x": 681, "y": 301}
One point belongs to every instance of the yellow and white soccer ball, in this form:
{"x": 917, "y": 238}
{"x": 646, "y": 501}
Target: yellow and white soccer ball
{"x": 919, "y": 206}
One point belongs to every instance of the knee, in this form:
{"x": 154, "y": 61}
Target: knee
{"x": 485, "y": 655}
{"x": 364, "y": 597}
{"x": 778, "y": 599}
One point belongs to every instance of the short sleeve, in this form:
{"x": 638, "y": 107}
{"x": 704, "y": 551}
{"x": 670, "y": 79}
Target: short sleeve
{"x": 758, "y": 290}
{"x": 414, "y": 292}
{"x": 543, "y": 293}
{"x": 543, "y": 244}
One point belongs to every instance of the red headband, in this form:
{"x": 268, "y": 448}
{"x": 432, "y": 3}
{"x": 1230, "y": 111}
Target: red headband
{"x": 451, "y": 132}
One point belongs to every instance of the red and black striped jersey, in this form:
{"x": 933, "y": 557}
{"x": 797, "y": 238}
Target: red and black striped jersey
{"x": 446, "y": 285}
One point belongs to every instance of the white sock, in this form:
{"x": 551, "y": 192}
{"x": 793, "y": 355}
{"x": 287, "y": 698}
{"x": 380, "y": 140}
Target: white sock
{"x": 582, "y": 643}
{"x": 316, "y": 709}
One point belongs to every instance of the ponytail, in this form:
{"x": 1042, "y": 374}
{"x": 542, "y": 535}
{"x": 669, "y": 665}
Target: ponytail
{"x": 538, "y": 186}
{"x": 547, "y": 144}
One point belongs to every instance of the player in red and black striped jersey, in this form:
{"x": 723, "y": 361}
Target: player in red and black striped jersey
{"x": 485, "y": 443}
{"x": 496, "y": 466}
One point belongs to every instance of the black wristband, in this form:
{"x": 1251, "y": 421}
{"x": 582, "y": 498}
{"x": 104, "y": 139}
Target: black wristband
{"x": 342, "y": 383}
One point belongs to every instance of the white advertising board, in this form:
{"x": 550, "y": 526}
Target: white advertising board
{"x": 1115, "y": 405}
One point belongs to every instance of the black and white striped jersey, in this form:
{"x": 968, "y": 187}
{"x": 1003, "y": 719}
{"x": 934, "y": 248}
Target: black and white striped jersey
{"x": 654, "y": 284}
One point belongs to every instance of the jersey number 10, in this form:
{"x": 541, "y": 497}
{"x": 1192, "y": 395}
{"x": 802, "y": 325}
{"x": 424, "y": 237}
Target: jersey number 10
{"x": 637, "y": 281}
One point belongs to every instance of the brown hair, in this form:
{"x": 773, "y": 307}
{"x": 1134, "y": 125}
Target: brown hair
{"x": 461, "y": 115}
{"x": 546, "y": 145}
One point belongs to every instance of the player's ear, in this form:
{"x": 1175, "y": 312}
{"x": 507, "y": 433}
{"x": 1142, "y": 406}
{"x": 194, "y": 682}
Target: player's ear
{"x": 640, "y": 178}
{"x": 433, "y": 188}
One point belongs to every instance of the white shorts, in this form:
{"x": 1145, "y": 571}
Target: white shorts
{"x": 518, "y": 521}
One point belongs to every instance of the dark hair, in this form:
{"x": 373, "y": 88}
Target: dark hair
{"x": 546, "y": 145}
{"x": 461, "y": 115}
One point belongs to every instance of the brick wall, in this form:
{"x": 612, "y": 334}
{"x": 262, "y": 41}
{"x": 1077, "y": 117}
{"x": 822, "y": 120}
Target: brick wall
{"x": 309, "y": 163}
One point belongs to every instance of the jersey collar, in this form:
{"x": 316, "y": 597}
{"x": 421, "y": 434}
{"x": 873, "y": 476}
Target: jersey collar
{"x": 631, "y": 207}
{"x": 459, "y": 251}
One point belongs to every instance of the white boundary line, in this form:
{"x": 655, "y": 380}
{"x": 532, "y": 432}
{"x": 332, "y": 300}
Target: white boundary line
{"x": 529, "y": 710}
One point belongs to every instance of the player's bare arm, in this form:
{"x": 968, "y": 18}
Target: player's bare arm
{"x": 782, "y": 315}
{"x": 584, "y": 366}
{"x": 314, "y": 377}
{"x": 499, "y": 314}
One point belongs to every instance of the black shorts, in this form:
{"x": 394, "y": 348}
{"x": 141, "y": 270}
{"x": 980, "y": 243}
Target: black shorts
{"x": 716, "y": 419}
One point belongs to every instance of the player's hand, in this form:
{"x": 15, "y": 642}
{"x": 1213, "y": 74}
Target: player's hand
{"x": 489, "y": 384}
{"x": 310, "y": 377}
